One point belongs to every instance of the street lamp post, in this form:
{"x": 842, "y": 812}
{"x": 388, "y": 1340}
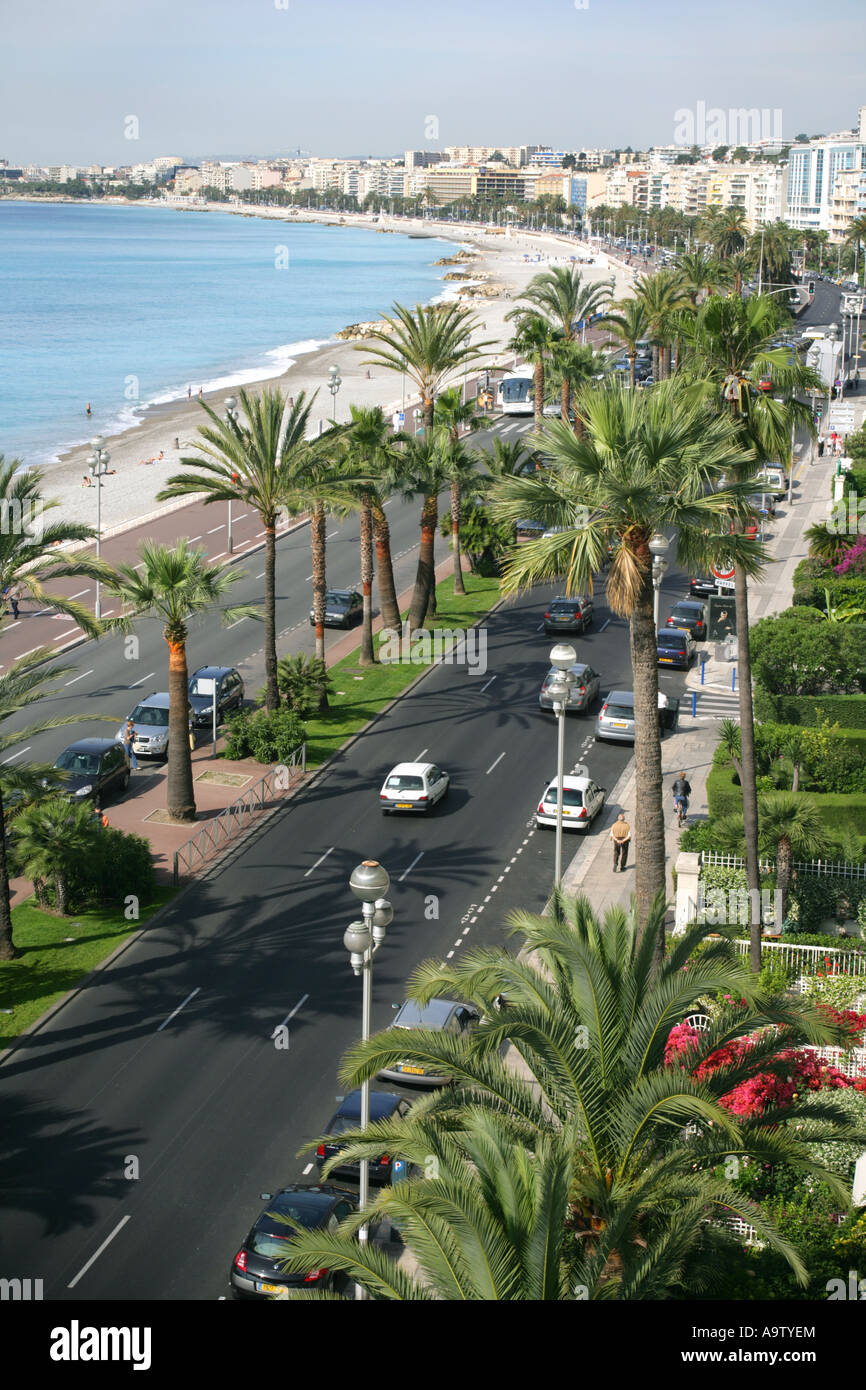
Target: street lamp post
{"x": 98, "y": 462}
{"x": 562, "y": 657}
{"x": 335, "y": 381}
{"x": 369, "y": 883}
{"x": 659, "y": 546}
{"x": 231, "y": 405}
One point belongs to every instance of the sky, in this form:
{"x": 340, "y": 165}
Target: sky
{"x": 240, "y": 78}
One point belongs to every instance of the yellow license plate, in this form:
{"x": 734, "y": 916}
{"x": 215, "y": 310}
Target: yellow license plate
{"x": 404, "y": 805}
{"x": 668, "y": 659}
{"x": 413, "y": 1071}
{"x": 269, "y": 1288}
{"x": 618, "y": 724}
{"x": 565, "y": 812}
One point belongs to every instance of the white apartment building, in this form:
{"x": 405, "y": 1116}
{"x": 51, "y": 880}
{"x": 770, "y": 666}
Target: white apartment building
{"x": 847, "y": 202}
{"x": 812, "y": 174}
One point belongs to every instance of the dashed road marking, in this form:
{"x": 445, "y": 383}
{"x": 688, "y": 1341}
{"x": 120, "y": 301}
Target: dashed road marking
{"x": 493, "y": 765}
{"x": 411, "y": 866}
{"x": 178, "y": 1009}
{"x": 320, "y": 860}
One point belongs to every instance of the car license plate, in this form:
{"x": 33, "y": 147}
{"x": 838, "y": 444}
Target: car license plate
{"x": 668, "y": 659}
{"x": 268, "y": 1288}
{"x": 413, "y": 1071}
{"x": 618, "y": 724}
{"x": 403, "y": 805}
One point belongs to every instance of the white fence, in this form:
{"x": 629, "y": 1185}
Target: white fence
{"x": 821, "y": 868}
{"x": 811, "y": 959}
{"x": 852, "y": 1063}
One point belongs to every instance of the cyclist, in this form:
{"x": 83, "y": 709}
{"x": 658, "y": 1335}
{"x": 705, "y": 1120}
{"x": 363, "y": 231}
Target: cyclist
{"x": 682, "y": 792}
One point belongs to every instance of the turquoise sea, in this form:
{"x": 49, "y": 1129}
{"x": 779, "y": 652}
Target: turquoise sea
{"x": 126, "y": 307}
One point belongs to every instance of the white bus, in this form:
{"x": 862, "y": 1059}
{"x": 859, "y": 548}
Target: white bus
{"x": 517, "y": 395}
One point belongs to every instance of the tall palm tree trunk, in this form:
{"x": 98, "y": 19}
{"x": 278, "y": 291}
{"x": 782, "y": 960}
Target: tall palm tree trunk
{"x": 565, "y": 398}
{"x": 648, "y": 841}
{"x": 385, "y": 569}
{"x": 61, "y": 894}
{"x": 317, "y": 542}
{"x": 180, "y": 796}
{"x": 656, "y": 362}
{"x": 459, "y": 586}
{"x": 272, "y": 693}
{"x": 7, "y": 945}
{"x": 784, "y": 864}
{"x": 368, "y": 655}
{"x": 539, "y": 393}
{"x": 632, "y": 361}
{"x": 747, "y": 758}
{"x": 424, "y": 577}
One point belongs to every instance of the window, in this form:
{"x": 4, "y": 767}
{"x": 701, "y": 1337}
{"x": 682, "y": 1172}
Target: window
{"x": 572, "y": 797}
{"x": 150, "y": 717}
{"x": 405, "y": 784}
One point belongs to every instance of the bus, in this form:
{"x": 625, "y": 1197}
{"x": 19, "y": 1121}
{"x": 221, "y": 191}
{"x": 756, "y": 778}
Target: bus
{"x": 517, "y": 395}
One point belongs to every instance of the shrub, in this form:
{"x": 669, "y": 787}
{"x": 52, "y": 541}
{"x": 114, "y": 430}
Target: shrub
{"x": 792, "y": 655}
{"x": 849, "y": 711}
{"x": 698, "y": 837}
{"x": 840, "y": 811}
{"x": 303, "y": 680}
{"x": 267, "y": 736}
{"x": 117, "y": 866}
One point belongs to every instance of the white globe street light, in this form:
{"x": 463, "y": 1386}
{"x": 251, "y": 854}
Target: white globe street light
{"x": 98, "y": 463}
{"x": 659, "y": 546}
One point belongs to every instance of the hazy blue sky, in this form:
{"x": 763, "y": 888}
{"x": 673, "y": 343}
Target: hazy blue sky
{"x": 243, "y": 77}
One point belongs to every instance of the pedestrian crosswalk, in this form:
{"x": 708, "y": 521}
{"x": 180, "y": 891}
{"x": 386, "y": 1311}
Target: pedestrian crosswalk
{"x": 709, "y": 704}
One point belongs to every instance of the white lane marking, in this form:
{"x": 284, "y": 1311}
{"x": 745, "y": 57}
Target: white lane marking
{"x": 320, "y": 860}
{"x": 290, "y": 1015}
{"x": 540, "y": 627}
{"x": 68, "y": 633}
{"x": 13, "y": 756}
{"x": 498, "y": 760}
{"x": 484, "y": 687}
{"x": 308, "y": 1169}
{"x": 411, "y": 866}
{"x": 36, "y": 649}
{"x": 219, "y": 556}
{"x": 333, "y": 534}
{"x": 189, "y": 542}
{"x": 139, "y": 567}
{"x": 95, "y": 1256}
{"x": 260, "y": 576}
{"x": 43, "y": 611}
{"x": 213, "y": 530}
{"x": 308, "y": 578}
{"x": 604, "y": 625}
{"x": 449, "y": 955}
{"x": 80, "y": 594}
{"x": 420, "y": 755}
{"x": 241, "y": 518}
{"x": 178, "y": 1009}
{"x": 142, "y": 680}
{"x": 237, "y": 624}
{"x": 465, "y": 930}
{"x": 79, "y": 678}
{"x": 109, "y": 613}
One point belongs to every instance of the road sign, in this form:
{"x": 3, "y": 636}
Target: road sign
{"x": 723, "y": 571}
{"x": 841, "y": 415}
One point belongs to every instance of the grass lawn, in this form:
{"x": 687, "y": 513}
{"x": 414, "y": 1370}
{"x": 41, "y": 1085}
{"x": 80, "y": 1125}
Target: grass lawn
{"x": 360, "y": 693}
{"x": 49, "y": 965}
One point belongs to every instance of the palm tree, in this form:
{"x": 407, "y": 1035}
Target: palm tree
{"x": 422, "y": 470}
{"x": 790, "y": 823}
{"x": 586, "y": 1166}
{"x": 575, "y": 365}
{"x": 29, "y": 555}
{"x": 248, "y": 462}
{"x": 647, "y": 464}
{"x": 371, "y": 451}
{"x": 303, "y": 679}
{"x": 729, "y": 345}
{"x": 628, "y": 322}
{"x": 428, "y": 344}
{"x": 533, "y": 341}
{"x": 450, "y": 416}
{"x": 700, "y": 274}
{"x": 857, "y": 237}
{"x": 26, "y": 681}
{"x": 738, "y": 267}
{"x": 825, "y": 542}
{"x": 175, "y": 586}
{"x": 562, "y": 296}
{"x": 49, "y": 838}
{"x": 661, "y": 296}
{"x": 770, "y": 246}
{"x": 729, "y": 232}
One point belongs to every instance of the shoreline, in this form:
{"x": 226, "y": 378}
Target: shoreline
{"x": 169, "y": 428}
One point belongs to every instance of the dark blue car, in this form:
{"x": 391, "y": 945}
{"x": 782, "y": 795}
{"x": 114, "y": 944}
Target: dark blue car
{"x": 675, "y": 647}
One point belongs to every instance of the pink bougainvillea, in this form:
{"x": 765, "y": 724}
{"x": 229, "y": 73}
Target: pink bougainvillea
{"x": 854, "y": 559}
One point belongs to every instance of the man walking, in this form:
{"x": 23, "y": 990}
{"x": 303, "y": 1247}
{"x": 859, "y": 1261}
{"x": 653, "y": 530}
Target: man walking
{"x": 14, "y": 600}
{"x": 620, "y": 834}
{"x": 128, "y": 737}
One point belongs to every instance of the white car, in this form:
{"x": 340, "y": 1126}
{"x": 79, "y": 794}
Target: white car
{"x": 413, "y": 787}
{"x": 581, "y": 802}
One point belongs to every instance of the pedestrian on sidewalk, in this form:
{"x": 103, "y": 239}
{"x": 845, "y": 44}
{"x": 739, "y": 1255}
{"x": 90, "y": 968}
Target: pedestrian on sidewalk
{"x": 128, "y": 737}
{"x": 99, "y": 816}
{"x": 620, "y": 834}
{"x": 14, "y": 600}
{"x": 820, "y": 446}
{"x": 191, "y": 734}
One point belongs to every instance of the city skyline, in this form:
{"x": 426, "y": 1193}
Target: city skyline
{"x": 311, "y": 76}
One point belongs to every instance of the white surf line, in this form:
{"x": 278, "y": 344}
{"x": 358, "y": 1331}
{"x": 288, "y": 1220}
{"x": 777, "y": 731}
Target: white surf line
{"x": 141, "y": 680}
{"x": 79, "y": 678}
{"x": 290, "y": 1015}
{"x": 213, "y": 530}
{"x": 95, "y": 1256}
{"x": 320, "y": 860}
{"x": 496, "y": 764}
{"x": 411, "y": 866}
{"x": 604, "y": 625}
{"x": 20, "y": 752}
{"x": 484, "y": 687}
{"x": 178, "y": 1009}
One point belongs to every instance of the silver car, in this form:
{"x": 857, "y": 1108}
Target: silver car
{"x": 587, "y": 685}
{"x": 615, "y": 721}
{"x": 439, "y": 1015}
{"x": 150, "y": 726}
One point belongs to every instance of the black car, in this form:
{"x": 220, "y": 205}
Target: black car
{"x": 229, "y": 692}
{"x": 692, "y": 615}
{"x": 94, "y": 767}
{"x": 343, "y": 607}
{"x": 703, "y": 586}
{"x": 568, "y": 614}
{"x": 257, "y": 1270}
{"x": 383, "y": 1105}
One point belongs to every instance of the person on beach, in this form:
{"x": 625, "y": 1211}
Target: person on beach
{"x": 85, "y": 481}
{"x": 199, "y": 393}
{"x": 128, "y": 738}
{"x": 620, "y": 834}
{"x": 189, "y": 393}
{"x": 89, "y": 411}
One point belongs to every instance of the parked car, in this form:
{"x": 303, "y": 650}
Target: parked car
{"x": 94, "y": 767}
{"x": 587, "y": 684}
{"x": 763, "y": 503}
{"x": 413, "y": 787}
{"x": 383, "y": 1106}
{"x": 150, "y": 726}
{"x": 675, "y": 647}
{"x": 582, "y": 799}
{"x": 690, "y": 614}
{"x": 439, "y": 1015}
{"x": 615, "y": 721}
{"x": 256, "y": 1270}
{"x": 569, "y": 614}
{"x": 229, "y": 692}
{"x": 343, "y": 608}
{"x": 774, "y": 480}
{"x": 703, "y": 586}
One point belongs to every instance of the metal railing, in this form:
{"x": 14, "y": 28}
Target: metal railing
{"x": 215, "y": 834}
{"x": 822, "y": 868}
{"x": 810, "y": 959}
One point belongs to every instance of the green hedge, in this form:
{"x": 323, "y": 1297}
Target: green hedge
{"x": 838, "y": 810}
{"x": 848, "y": 711}
{"x": 810, "y": 592}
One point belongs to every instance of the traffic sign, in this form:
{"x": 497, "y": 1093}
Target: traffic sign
{"x": 722, "y": 571}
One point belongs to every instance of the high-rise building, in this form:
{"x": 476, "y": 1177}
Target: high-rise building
{"x": 812, "y": 171}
